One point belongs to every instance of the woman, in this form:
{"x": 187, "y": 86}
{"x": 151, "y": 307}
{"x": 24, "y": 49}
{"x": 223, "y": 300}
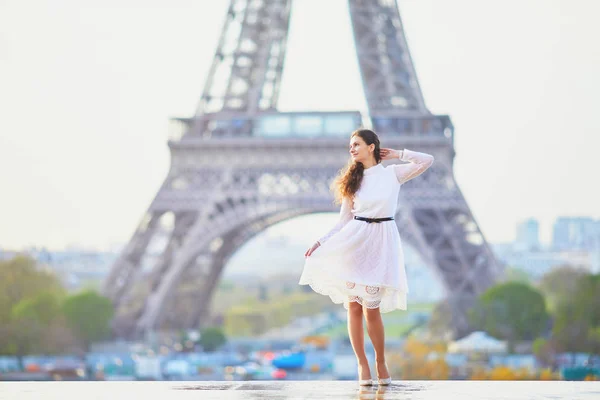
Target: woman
{"x": 360, "y": 262}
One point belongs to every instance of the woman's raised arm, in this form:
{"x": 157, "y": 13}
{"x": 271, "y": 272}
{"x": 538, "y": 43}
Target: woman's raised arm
{"x": 418, "y": 163}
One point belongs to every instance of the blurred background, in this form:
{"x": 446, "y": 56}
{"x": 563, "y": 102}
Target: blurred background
{"x": 88, "y": 89}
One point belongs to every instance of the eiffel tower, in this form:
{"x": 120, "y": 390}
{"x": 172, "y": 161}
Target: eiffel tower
{"x": 239, "y": 166}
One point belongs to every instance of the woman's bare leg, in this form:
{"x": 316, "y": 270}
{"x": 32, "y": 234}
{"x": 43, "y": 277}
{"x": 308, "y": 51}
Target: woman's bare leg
{"x": 357, "y": 338}
{"x": 377, "y": 335}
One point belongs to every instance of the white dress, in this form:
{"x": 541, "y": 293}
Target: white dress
{"x": 361, "y": 261}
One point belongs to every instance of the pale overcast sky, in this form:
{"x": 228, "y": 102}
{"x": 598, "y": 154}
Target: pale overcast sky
{"x": 87, "y": 88}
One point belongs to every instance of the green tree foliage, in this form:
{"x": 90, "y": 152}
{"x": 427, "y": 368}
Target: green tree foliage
{"x": 45, "y": 308}
{"x": 577, "y": 317}
{"x": 30, "y": 316}
{"x": 21, "y": 278}
{"x": 212, "y": 338}
{"x": 20, "y": 337}
{"x": 89, "y": 315}
{"x": 560, "y": 284}
{"x": 513, "y": 274}
{"x": 36, "y": 326}
{"x": 36, "y": 316}
{"x": 511, "y": 311}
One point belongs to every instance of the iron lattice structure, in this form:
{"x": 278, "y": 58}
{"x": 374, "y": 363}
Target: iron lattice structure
{"x": 239, "y": 166}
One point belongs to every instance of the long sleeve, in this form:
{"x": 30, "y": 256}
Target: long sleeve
{"x": 418, "y": 163}
{"x": 345, "y": 217}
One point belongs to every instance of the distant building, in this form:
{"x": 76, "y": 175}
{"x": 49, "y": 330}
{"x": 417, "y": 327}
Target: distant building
{"x": 575, "y": 242}
{"x": 528, "y": 235}
{"x": 538, "y": 263}
{"x": 74, "y": 267}
{"x": 576, "y": 233}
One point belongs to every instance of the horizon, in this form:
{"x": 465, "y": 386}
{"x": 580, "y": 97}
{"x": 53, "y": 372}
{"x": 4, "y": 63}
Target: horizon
{"x": 273, "y": 233}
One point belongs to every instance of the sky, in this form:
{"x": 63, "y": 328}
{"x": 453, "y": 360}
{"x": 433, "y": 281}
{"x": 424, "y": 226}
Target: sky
{"x": 87, "y": 89}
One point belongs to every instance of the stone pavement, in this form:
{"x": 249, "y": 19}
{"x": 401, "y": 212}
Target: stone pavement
{"x": 413, "y": 390}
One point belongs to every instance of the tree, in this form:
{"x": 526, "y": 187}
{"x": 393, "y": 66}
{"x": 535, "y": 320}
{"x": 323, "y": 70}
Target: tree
{"x": 577, "y": 317}
{"x": 89, "y": 315}
{"x": 45, "y": 308}
{"x": 513, "y": 274}
{"x": 511, "y": 311}
{"x": 21, "y": 278}
{"x": 212, "y": 338}
{"x": 560, "y": 284}
{"x": 36, "y": 325}
{"x": 20, "y": 336}
{"x": 29, "y": 298}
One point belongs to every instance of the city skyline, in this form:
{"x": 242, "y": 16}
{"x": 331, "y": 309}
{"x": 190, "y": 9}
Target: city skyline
{"x": 83, "y": 146}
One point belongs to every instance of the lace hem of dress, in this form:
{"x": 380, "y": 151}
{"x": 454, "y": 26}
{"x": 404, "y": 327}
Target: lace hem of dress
{"x": 369, "y": 304}
{"x": 385, "y": 303}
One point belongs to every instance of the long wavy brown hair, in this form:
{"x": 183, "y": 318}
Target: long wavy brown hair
{"x": 348, "y": 181}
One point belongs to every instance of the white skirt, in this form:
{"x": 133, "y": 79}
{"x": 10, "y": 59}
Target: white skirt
{"x": 364, "y": 263}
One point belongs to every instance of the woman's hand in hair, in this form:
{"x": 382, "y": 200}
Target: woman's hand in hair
{"x": 313, "y": 248}
{"x": 389, "y": 154}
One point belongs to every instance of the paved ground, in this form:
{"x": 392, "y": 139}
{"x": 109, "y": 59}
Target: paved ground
{"x": 413, "y": 390}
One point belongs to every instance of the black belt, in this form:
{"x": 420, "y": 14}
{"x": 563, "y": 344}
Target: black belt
{"x": 369, "y": 220}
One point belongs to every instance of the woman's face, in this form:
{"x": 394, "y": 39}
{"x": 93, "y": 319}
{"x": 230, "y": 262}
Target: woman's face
{"x": 359, "y": 150}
